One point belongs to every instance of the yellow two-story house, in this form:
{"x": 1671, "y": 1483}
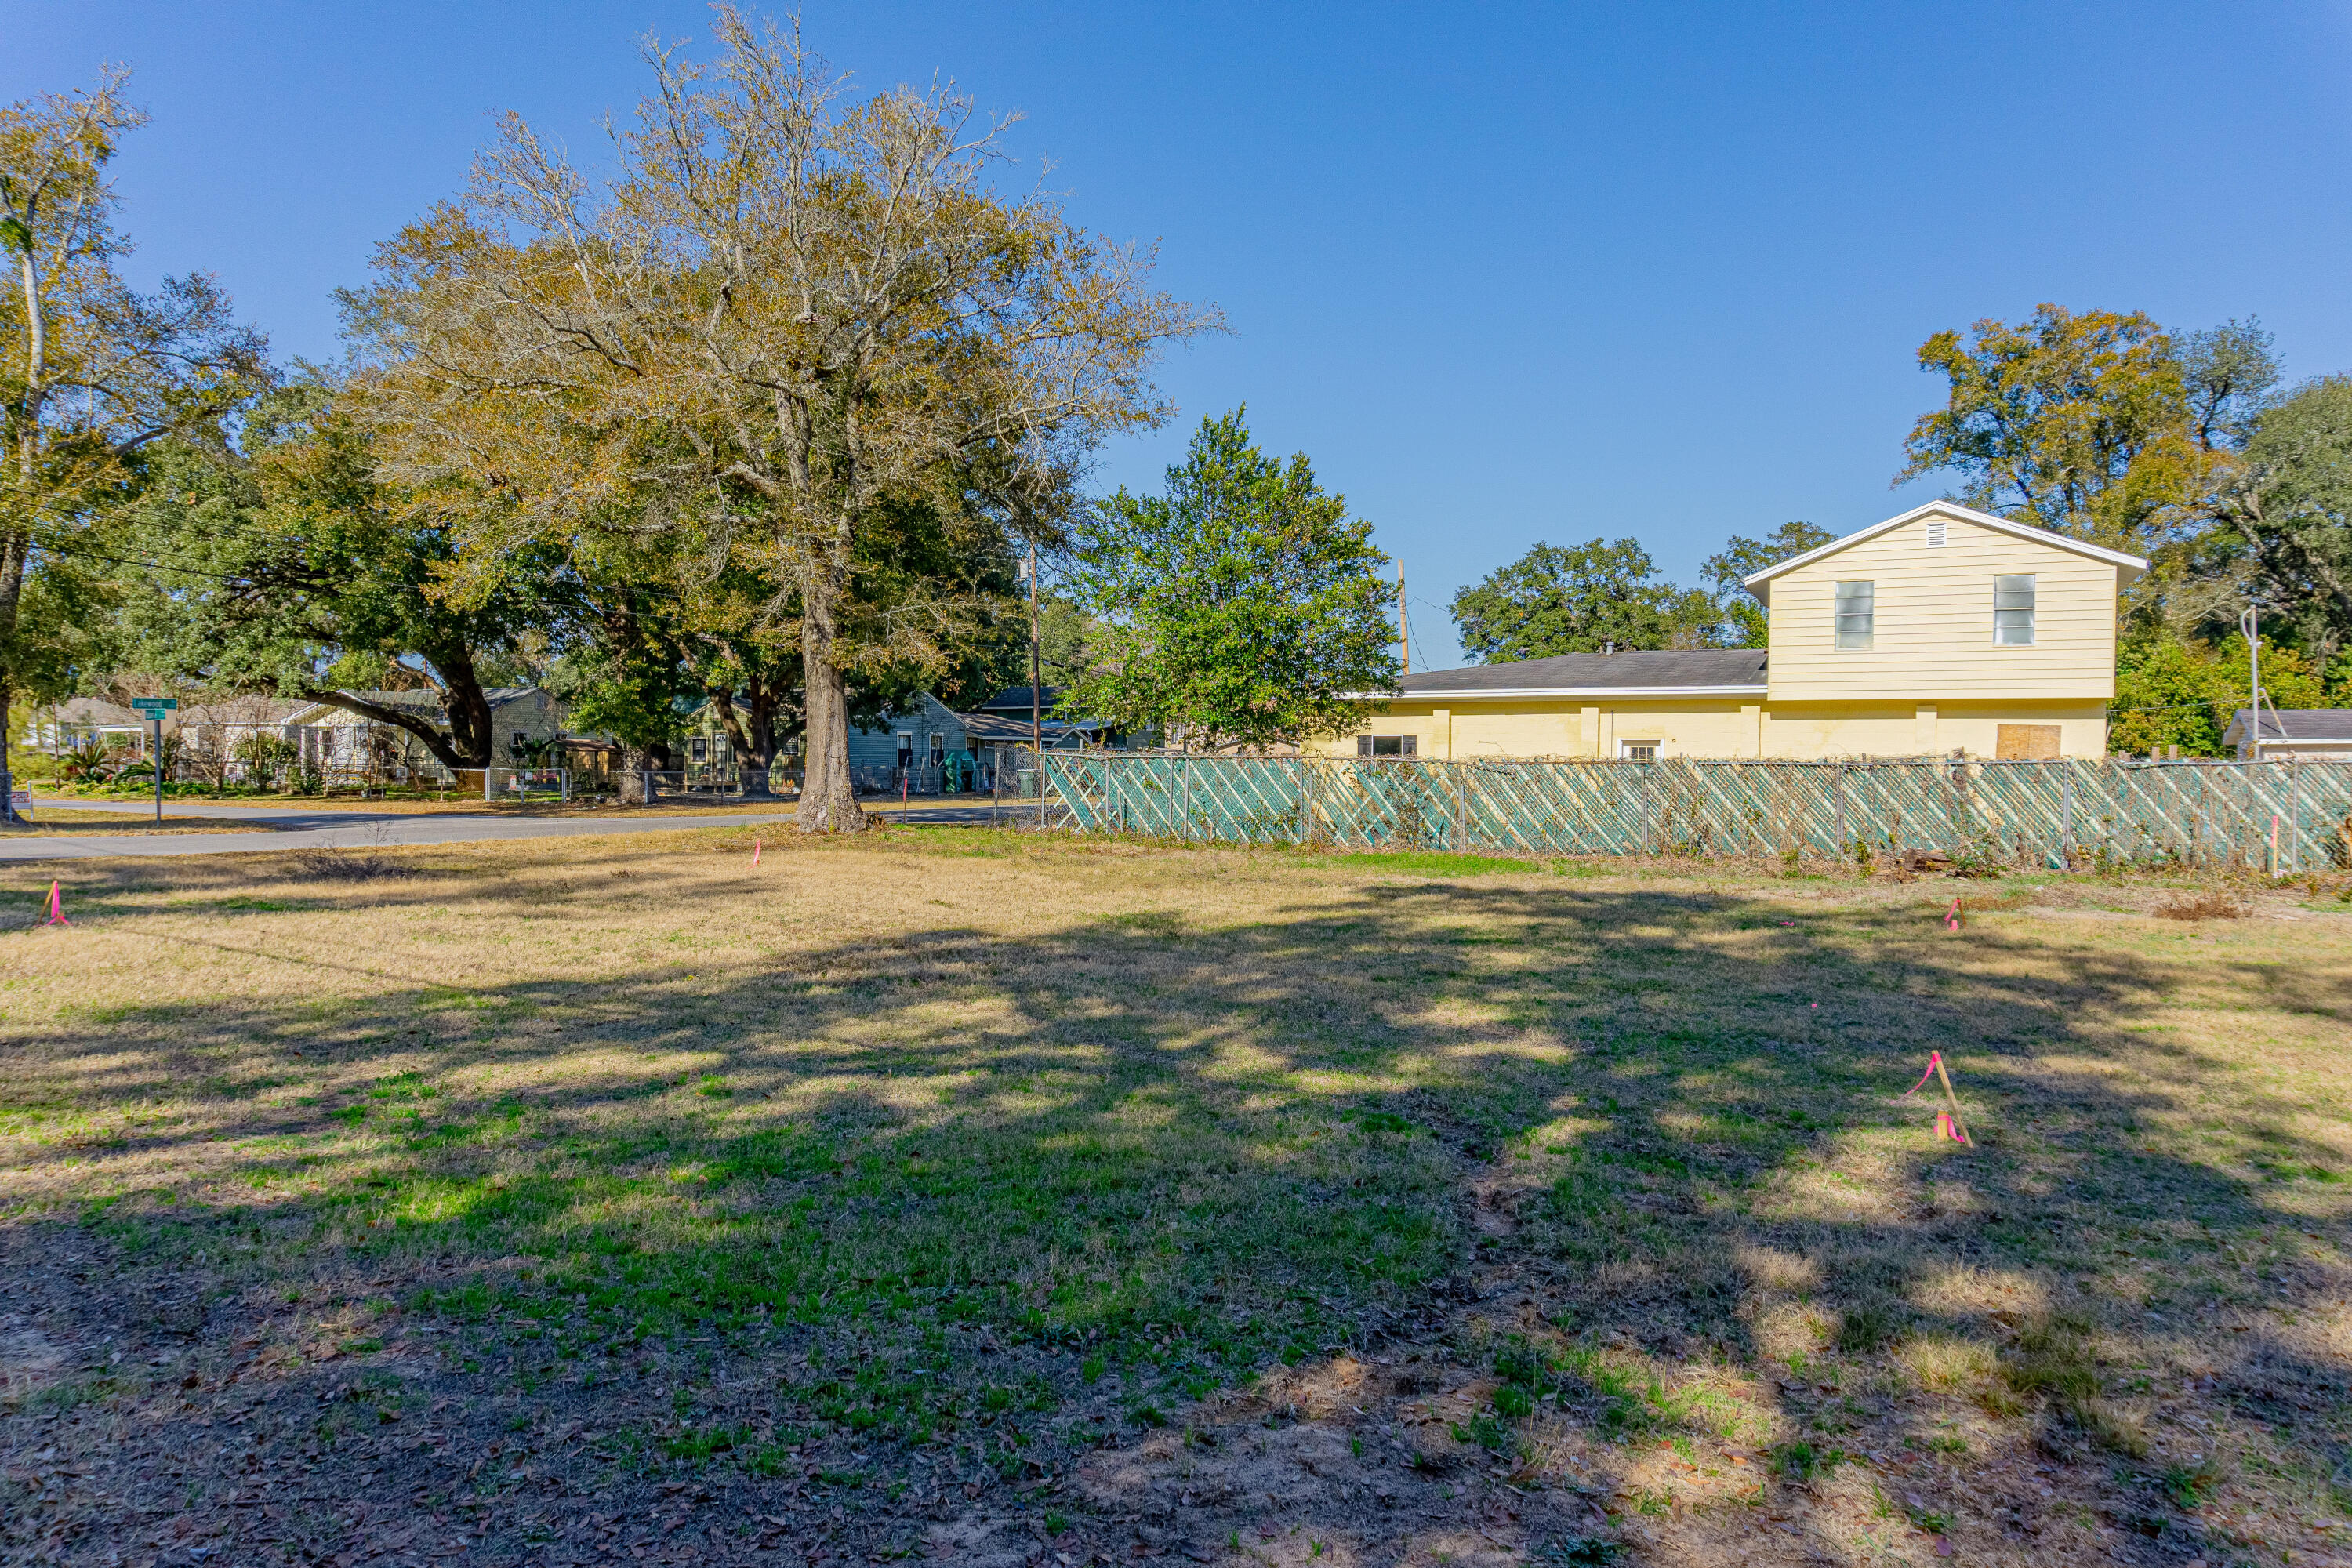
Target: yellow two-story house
{"x": 1942, "y": 629}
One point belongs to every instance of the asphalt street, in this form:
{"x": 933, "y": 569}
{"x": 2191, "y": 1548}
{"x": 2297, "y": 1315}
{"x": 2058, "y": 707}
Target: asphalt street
{"x": 294, "y": 829}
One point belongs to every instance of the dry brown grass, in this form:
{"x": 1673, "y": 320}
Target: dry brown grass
{"x": 2211, "y": 904}
{"x": 569, "y": 1171}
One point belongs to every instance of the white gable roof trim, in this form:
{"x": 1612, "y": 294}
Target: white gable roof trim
{"x": 1454, "y": 697}
{"x": 1759, "y": 583}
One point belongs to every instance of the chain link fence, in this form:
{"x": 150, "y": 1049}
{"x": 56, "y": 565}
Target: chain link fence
{"x": 2285, "y": 816}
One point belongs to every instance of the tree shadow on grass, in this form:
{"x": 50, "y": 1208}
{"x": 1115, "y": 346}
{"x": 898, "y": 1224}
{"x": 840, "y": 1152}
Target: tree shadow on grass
{"x": 996, "y": 1192}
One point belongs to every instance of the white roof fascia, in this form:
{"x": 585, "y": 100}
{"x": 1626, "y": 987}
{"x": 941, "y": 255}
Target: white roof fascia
{"x": 1483, "y": 694}
{"x": 1757, "y": 584}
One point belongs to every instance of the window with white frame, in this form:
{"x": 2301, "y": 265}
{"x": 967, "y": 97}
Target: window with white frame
{"x": 1855, "y": 617}
{"x": 1638, "y": 751}
{"x": 2012, "y": 611}
{"x": 1387, "y": 745}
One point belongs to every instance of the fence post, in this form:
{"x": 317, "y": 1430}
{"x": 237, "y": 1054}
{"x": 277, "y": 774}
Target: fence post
{"x": 2295, "y": 810}
{"x": 1839, "y": 809}
{"x": 2066, "y": 820}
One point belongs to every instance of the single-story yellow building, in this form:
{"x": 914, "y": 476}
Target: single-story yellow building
{"x": 1942, "y": 629}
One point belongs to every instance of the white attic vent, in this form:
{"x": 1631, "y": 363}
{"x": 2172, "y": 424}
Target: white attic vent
{"x": 1934, "y": 534}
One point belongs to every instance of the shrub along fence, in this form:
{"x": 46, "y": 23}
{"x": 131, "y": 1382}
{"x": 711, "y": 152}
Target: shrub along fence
{"x": 2284, "y": 817}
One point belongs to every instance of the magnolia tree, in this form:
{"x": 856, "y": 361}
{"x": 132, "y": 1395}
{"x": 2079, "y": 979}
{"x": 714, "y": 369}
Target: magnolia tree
{"x": 789, "y": 321}
{"x": 90, "y": 372}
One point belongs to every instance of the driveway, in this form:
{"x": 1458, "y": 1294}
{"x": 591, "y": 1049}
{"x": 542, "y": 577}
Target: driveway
{"x": 296, "y": 828}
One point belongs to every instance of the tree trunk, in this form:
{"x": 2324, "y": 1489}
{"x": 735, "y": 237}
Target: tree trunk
{"x": 760, "y": 724}
{"x": 635, "y": 766}
{"x": 751, "y": 766}
{"x": 14, "y": 549}
{"x": 468, "y": 705}
{"x": 7, "y": 784}
{"x": 828, "y": 799}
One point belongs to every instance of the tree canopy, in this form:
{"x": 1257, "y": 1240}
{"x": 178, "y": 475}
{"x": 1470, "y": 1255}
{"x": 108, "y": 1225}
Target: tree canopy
{"x": 1244, "y": 606}
{"x": 786, "y": 320}
{"x": 2078, "y": 422}
{"x": 1741, "y": 558}
{"x": 1581, "y": 598}
{"x": 92, "y": 372}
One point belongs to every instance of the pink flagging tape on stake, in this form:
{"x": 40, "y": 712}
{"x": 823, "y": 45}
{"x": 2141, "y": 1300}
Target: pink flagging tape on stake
{"x": 755, "y": 851}
{"x": 1952, "y": 916}
{"x": 1947, "y": 1123}
{"x": 1935, "y": 1058}
{"x": 57, "y": 909}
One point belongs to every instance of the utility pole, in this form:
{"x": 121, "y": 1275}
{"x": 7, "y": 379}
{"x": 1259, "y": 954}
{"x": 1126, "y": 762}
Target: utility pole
{"x": 2251, "y": 623}
{"x": 1404, "y": 643}
{"x": 1036, "y": 701}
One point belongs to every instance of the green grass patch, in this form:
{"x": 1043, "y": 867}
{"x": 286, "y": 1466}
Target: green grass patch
{"x": 1424, "y": 863}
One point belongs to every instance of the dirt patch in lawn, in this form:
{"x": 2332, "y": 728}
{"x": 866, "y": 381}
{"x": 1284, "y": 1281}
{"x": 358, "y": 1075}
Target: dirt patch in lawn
{"x": 1005, "y": 1199}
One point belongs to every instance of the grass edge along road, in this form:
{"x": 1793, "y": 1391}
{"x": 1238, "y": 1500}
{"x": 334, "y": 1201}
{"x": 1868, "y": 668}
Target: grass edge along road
{"x": 967, "y": 1153}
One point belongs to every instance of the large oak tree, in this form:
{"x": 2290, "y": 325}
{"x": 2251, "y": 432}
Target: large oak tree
{"x": 788, "y": 315}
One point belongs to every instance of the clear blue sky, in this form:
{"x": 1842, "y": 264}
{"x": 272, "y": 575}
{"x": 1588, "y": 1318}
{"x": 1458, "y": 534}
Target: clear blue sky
{"x": 1506, "y": 273}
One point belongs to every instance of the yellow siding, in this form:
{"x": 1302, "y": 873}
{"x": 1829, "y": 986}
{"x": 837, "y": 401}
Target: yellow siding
{"x": 1816, "y": 730}
{"x": 1933, "y": 637}
{"x": 1933, "y": 681}
{"x": 1568, "y": 728}
{"x": 1724, "y": 728}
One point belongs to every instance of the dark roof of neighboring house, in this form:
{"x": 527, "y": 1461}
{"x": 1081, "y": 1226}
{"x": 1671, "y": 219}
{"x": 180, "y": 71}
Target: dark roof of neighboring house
{"x": 1006, "y": 729}
{"x": 1017, "y": 697}
{"x": 1642, "y": 670}
{"x": 2295, "y": 724}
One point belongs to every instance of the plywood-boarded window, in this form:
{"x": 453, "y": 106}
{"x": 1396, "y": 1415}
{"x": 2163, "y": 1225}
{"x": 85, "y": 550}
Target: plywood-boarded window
{"x": 2026, "y": 742}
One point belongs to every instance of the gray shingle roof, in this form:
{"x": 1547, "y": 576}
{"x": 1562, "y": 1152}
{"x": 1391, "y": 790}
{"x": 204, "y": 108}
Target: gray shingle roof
{"x": 1649, "y": 670}
{"x": 1017, "y": 698}
{"x": 2296, "y": 724}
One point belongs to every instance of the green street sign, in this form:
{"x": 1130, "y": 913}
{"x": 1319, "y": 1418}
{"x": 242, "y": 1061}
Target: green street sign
{"x": 151, "y": 706}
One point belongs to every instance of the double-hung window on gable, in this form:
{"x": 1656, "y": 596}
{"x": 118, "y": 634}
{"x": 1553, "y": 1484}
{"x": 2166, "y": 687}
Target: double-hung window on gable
{"x": 1855, "y": 615}
{"x": 2012, "y": 611}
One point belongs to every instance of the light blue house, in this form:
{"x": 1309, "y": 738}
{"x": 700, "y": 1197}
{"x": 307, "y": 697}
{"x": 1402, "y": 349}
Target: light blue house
{"x": 931, "y": 749}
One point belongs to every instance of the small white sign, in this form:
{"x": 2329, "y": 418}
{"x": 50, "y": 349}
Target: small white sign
{"x": 20, "y": 800}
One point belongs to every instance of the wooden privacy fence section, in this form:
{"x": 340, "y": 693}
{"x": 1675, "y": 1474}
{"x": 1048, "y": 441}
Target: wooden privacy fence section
{"x": 2287, "y": 817}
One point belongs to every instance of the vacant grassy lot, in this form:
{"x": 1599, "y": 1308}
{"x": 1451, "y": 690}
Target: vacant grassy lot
{"x": 1019, "y": 1200}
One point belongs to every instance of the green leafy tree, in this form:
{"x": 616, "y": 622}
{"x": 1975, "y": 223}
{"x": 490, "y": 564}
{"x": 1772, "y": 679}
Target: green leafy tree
{"x": 1243, "y": 607}
{"x": 2229, "y": 374}
{"x": 2172, "y": 690}
{"x": 1745, "y": 625}
{"x": 2284, "y": 523}
{"x": 1582, "y": 599}
{"x": 819, "y": 309}
{"x": 282, "y": 566}
{"x": 91, "y": 373}
{"x": 2078, "y": 422}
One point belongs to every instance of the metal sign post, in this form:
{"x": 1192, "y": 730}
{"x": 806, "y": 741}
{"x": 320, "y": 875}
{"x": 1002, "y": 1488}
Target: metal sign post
{"x": 152, "y": 710}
